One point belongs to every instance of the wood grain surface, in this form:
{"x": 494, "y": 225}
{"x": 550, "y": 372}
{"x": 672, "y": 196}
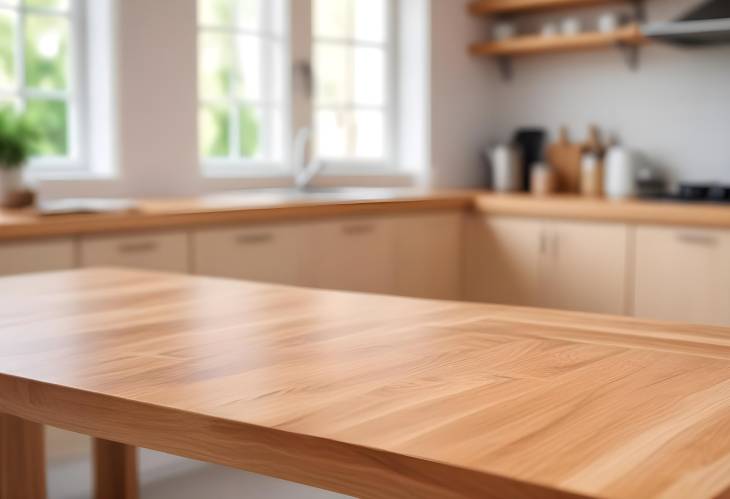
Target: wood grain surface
{"x": 369, "y": 395}
{"x": 22, "y": 459}
{"x": 221, "y": 210}
{"x": 115, "y": 470}
{"x": 632, "y": 211}
{"x": 167, "y": 214}
{"x": 489, "y": 7}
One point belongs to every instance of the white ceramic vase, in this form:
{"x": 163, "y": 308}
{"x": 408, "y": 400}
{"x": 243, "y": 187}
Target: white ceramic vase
{"x": 11, "y": 181}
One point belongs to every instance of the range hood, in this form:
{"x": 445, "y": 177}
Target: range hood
{"x": 708, "y": 24}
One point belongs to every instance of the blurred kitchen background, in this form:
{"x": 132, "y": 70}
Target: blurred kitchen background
{"x": 133, "y": 99}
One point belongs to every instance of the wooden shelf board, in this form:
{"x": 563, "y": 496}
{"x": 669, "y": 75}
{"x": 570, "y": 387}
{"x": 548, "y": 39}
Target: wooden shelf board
{"x": 488, "y": 7}
{"x": 538, "y": 44}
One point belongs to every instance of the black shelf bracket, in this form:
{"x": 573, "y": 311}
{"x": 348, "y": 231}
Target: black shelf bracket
{"x": 631, "y": 54}
{"x": 504, "y": 64}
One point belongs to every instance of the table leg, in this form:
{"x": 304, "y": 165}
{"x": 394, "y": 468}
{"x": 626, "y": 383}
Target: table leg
{"x": 22, "y": 459}
{"x": 115, "y": 470}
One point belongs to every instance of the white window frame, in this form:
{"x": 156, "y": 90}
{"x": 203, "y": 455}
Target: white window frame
{"x": 76, "y": 161}
{"x": 389, "y": 164}
{"x": 299, "y": 112}
{"x": 235, "y": 165}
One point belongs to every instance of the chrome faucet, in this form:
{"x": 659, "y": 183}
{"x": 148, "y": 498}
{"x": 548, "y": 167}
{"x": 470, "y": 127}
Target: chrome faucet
{"x": 304, "y": 173}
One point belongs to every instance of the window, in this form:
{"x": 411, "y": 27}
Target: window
{"x": 241, "y": 82}
{"x": 38, "y": 73}
{"x": 353, "y": 101}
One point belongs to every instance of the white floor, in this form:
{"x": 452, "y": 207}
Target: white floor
{"x": 168, "y": 477}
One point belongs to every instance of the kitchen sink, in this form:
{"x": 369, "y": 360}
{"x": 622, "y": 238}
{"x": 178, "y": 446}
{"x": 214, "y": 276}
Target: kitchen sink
{"x": 310, "y": 194}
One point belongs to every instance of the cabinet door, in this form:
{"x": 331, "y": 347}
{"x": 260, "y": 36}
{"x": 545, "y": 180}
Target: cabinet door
{"x": 266, "y": 253}
{"x": 586, "y": 267}
{"x": 36, "y": 256}
{"x": 428, "y": 256}
{"x": 166, "y": 252}
{"x": 682, "y": 275}
{"x": 355, "y": 255}
{"x": 503, "y": 260}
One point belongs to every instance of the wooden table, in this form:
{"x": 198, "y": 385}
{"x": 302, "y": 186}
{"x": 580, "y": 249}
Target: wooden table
{"x": 366, "y": 395}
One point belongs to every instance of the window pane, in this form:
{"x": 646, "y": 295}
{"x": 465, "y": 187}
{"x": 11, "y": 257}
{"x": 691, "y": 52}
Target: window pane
{"x": 215, "y": 127}
{"x": 333, "y": 18}
{"x": 51, "y": 119}
{"x": 333, "y": 73}
{"x": 332, "y": 133}
{"x": 369, "y": 135}
{"x": 249, "y": 131}
{"x": 8, "y": 26}
{"x": 216, "y": 65}
{"x": 47, "y": 52}
{"x": 362, "y": 20}
{"x": 249, "y": 14}
{"x": 343, "y": 134}
{"x": 217, "y": 12}
{"x": 369, "y": 77}
{"x": 48, "y": 4}
{"x": 249, "y": 67}
{"x": 371, "y": 20}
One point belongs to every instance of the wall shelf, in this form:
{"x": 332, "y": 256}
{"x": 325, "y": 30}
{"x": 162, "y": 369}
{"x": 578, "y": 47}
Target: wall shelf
{"x": 629, "y": 36}
{"x": 492, "y": 7}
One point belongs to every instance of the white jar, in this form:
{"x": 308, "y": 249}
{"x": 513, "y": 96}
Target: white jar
{"x": 620, "y": 173}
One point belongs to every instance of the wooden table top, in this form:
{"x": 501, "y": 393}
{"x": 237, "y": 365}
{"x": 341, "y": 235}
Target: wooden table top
{"x": 369, "y": 395}
{"x": 161, "y": 214}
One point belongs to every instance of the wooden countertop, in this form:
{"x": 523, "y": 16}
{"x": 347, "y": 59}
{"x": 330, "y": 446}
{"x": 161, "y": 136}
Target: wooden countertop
{"x": 605, "y": 210}
{"x": 222, "y": 209}
{"x": 230, "y": 209}
{"x": 368, "y": 395}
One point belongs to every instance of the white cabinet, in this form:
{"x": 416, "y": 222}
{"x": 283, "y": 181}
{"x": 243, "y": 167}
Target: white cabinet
{"x": 356, "y": 254}
{"x": 566, "y": 265}
{"x": 166, "y": 251}
{"x": 682, "y": 274}
{"x": 586, "y": 267}
{"x": 429, "y": 255}
{"x": 257, "y": 253}
{"x": 36, "y": 256}
{"x": 502, "y": 260}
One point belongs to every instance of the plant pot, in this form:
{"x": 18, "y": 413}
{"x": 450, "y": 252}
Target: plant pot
{"x": 11, "y": 181}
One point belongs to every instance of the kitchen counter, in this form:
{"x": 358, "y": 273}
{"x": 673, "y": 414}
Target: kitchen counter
{"x": 267, "y": 207}
{"x": 632, "y": 211}
{"x": 367, "y": 395}
{"x": 256, "y": 206}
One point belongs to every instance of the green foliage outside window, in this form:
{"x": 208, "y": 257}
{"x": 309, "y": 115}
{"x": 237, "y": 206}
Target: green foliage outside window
{"x": 46, "y": 50}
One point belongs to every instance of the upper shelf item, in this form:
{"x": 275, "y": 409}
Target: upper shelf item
{"x": 489, "y": 7}
{"x": 539, "y": 44}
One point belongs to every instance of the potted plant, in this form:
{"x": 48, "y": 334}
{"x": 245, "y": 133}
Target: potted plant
{"x": 17, "y": 137}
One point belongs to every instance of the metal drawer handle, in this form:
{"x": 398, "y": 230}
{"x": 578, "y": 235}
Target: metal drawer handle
{"x": 358, "y": 230}
{"x": 261, "y": 238}
{"x": 141, "y": 247}
{"x": 697, "y": 238}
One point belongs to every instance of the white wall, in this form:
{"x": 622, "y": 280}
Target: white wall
{"x": 157, "y": 122}
{"x": 675, "y": 108}
{"x": 462, "y": 90}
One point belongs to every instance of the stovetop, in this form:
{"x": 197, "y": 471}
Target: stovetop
{"x": 696, "y": 193}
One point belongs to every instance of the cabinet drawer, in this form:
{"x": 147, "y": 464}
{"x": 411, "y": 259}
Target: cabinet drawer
{"x": 36, "y": 256}
{"x": 355, "y": 255}
{"x": 429, "y": 255}
{"x": 265, "y": 253}
{"x": 166, "y": 252}
{"x": 682, "y": 274}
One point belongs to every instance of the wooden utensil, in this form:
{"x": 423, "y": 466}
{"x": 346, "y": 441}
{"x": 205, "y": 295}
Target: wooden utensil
{"x": 565, "y": 157}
